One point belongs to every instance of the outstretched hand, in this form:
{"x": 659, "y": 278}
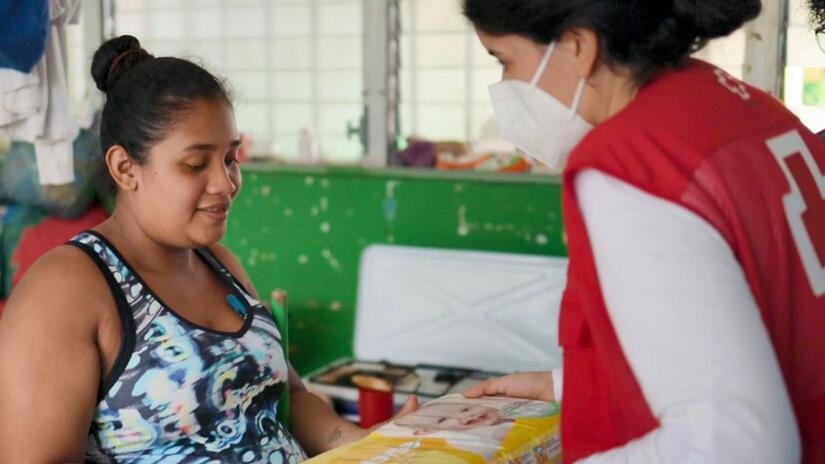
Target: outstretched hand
{"x": 409, "y": 407}
{"x": 526, "y": 385}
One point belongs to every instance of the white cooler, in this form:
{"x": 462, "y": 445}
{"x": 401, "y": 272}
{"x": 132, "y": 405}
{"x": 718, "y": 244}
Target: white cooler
{"x": 436, "y": 321}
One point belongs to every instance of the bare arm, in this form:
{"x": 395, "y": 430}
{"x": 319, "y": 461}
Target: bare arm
{"x": 49, "y": 361}
{"x": 317, "y": 427}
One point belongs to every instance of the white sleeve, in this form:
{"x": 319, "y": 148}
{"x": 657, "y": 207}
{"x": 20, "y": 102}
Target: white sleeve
{"x": 690, "y": 330}
{"x": 558, "y": 381}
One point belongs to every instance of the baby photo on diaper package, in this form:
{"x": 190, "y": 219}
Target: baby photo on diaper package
{"x": 460, "y": 430}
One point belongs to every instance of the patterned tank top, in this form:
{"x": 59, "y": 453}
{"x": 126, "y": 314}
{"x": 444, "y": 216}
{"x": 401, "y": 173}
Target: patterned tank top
{"x": 181, "y": 393}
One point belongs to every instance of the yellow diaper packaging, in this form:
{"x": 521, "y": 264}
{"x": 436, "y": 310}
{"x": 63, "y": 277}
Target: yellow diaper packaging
{"x": 454, "y": 429}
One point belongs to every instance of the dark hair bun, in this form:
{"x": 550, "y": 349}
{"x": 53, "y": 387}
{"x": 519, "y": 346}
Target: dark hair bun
{"x": 679, "y": 29}
{"x": 709, "y": 19}
{"x": 114, "y": 58}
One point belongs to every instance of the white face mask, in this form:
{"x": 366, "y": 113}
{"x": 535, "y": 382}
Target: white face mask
{"x": 535, "y": 121}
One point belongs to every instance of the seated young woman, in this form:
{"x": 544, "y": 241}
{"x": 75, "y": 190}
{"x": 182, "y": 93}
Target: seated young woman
{"x": 143, "y": 340}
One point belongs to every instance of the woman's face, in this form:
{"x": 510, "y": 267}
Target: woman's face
{"x": 520, "y": 58}
{"x": 186, "y": 187}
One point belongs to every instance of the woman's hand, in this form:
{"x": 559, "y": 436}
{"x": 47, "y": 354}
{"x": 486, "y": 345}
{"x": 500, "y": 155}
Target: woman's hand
{"x": 409, "y": 407}
{"x": 527, "y": 385}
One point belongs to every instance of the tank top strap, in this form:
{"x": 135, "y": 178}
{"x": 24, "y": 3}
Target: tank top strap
{"x": 143, "y": 307}
{"x": 240, "y": 291}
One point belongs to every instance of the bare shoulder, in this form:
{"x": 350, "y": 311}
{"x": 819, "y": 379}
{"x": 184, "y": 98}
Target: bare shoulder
{"x": 50, "y": 359}
{"x": 62, "y": 285}
{"x": 233, "y": 264}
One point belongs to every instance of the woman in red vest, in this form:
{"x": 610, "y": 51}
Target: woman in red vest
{"x": 693, "y": 323}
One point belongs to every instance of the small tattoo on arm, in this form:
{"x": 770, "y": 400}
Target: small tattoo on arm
{"x": 335, "y": 435}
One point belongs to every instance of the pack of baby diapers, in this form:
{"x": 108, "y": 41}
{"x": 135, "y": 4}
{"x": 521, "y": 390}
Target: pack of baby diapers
{"x": 454, "y": 429}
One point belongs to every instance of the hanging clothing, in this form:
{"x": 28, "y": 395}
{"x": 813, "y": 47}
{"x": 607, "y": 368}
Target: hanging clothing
{"x": 35, "y": 106}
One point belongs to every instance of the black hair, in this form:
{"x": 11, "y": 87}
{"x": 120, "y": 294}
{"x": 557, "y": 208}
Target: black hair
{"x": 646, "y": 36}
{"x": 146, "y": 96}
{"x": 817, "y": 15}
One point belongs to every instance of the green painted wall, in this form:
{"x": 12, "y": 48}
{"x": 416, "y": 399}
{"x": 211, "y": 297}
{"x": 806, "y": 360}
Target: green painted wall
{"x": 303, "y": 229}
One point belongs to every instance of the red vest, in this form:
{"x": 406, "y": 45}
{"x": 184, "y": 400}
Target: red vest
{"x": 738, "y": 159}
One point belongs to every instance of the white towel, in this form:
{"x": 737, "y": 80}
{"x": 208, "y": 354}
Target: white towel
{"x": 19, "y": 96}
{"x": 35, "y": 106}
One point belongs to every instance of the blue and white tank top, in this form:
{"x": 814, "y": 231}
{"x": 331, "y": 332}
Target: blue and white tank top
{"x": 181, "y": 393}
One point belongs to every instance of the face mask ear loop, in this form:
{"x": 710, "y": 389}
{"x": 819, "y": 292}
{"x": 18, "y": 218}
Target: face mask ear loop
{"x": 543, "y": 65}
{"x": 577, "y": 99}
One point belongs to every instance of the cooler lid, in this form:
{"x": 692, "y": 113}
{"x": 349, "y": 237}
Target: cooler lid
{"x": 486, "y": 311}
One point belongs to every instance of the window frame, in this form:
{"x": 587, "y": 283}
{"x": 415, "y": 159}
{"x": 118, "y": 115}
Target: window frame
{"x": 379, "y": 127}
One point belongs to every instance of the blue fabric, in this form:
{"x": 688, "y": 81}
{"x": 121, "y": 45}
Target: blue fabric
{"x": 24, "y": 26}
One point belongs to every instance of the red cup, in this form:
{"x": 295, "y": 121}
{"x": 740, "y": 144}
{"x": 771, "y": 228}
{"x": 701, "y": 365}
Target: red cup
{"x": 374, "y": 406}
